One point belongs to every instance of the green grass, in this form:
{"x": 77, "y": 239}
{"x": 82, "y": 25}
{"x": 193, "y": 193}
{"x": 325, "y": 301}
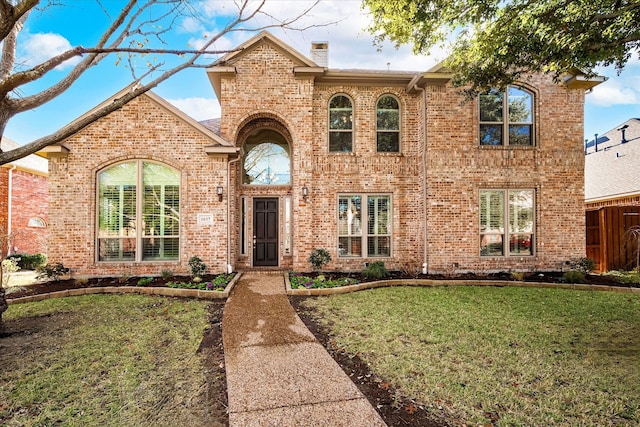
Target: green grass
{"x": 103, "y": 360}
{"x": 527, "y": 356}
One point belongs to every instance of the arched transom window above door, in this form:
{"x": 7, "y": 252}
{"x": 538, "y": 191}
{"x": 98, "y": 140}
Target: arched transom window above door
{"x": 267, "y": 159}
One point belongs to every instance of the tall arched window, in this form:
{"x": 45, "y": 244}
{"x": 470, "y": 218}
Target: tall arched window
{"x": 340, "y": 124}
{"x": 506, "y": 118}
{"x": 268, "y": 161}
{"x": 388, "y": 125}
{"x": 138, "y": 212}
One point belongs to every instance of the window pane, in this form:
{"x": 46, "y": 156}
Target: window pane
{"x": 491, "y": 222}
{"x": 378, "y": 246}
{"x": 388, "y": 114}
{"x": 350, "y": 246}
{"x": 340, "y": 113}
{"x": 491, "y": 107}
{"x": 267, "y": 164}
{"x": 340, "y": 141}
{"x": 520, "y": 106}
{"x": 157, "y": 248}
{"x": 521, "y": 244}
{"x": 117, "y": 249}
{"x": 350, "y": 226}
{"x": 490, "y": 134}
{"x": 340, "y": 119}
{"x": 521, "y": 211}
{"x": 491, "y": 245}
{"x": 492, "y": 211}
{"x": 388, "y": 142}
{"x": 519, "y": 134}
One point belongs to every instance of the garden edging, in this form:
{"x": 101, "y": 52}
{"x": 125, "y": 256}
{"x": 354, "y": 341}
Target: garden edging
{"x": 161, "y": 291}
{"x": 434, "y": 283}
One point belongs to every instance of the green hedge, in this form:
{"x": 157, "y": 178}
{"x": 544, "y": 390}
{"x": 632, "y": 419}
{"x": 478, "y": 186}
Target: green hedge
{"x": 29, "y": 262}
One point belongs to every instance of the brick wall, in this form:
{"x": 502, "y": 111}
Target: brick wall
{"x": 140, "y": 130}
{"x": 29, "y": 200}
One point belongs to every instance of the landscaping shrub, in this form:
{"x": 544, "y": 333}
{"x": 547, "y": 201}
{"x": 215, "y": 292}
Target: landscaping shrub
{"x": 319, "y": 258}
{"x": 584, "y": 265}
{"x": 198, "y": 268}
{"x": 145, "y": 281}
{"x": 573, "y": 276}
{"x": 29, "y": 262}
{"x": 375, "y": 270}
{"x": 51, "y": 271}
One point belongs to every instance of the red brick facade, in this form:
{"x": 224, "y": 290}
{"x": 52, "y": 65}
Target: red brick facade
{"x": 433, "y": 183}
{"x": 28, "y": 192}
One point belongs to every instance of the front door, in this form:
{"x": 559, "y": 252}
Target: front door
{"x": 265, "y": 232}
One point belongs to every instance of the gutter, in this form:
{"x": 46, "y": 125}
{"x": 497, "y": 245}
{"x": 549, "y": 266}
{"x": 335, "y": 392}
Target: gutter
{"x": 229, "y": 266}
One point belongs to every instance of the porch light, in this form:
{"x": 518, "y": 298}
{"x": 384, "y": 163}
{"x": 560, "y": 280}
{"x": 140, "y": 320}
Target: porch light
{"x": 305, "y": 193}
{"x": 219, "y": 191}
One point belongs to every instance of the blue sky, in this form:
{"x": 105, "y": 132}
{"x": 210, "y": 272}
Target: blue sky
{"x": 81, "y": 22}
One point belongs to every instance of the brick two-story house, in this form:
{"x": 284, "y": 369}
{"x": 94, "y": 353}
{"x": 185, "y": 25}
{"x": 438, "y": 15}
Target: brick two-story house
{"x": 370, "y": 165}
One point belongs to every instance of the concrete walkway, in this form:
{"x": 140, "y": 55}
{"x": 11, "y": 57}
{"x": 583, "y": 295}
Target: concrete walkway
{"x": 278, "y": 374}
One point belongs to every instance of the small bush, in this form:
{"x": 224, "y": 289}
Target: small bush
{"x": 29, "y": 262}
{"x": 375, "y": 270}
{"x": 573, "y": 276}
{"x": 51, "y": 271}
{"x": 319, "y": 258}
{"x": 165, "y": 274}
{"x": 145, "y": 281}
{"x": 198, "y": 268}
{"x": 9, "y": 265}
{"x": 518, "y": 275}
{"x": 584, "y": 265}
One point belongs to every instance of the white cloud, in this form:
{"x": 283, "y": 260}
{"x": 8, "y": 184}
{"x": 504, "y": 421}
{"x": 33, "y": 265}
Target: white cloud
{"x": 40, "y": 47}
{"x": 623, "y": 89}
{"x": 198, "y": 108}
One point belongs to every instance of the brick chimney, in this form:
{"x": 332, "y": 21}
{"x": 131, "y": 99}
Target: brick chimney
{"x": 320, "y": 53}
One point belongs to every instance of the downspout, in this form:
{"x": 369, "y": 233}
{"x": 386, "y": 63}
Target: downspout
{"x": 10, "y": 208}
{"x": 424, "y": 187}
{"x": 229, "y": 266}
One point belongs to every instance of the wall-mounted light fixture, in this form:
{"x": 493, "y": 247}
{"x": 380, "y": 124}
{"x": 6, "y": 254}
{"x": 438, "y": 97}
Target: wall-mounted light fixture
{"x": 219, "y": 191}
{"x": 305, "y": 193}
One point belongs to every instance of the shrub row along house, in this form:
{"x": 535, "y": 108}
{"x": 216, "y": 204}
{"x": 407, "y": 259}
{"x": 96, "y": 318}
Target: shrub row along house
{"x": 370, "y": 165}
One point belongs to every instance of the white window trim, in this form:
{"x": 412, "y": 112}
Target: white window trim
{"x": 399, "y": 130}
{"x": 352, "y": 130}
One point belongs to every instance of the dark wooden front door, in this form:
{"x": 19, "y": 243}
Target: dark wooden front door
{"x": 265, "y": 232}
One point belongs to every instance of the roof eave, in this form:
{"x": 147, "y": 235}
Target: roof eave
{"x": 216, "y": 73}
{"x": 579, "y": 81}
{"x": 55, "y": 150}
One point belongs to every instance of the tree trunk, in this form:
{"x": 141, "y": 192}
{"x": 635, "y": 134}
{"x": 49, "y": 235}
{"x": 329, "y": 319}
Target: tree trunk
{"x": 3, "y": 303}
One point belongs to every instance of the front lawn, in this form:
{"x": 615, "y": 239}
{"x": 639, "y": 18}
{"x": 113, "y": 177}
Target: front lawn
{"x": 507, "y": 356}
{"x": 109, "y": 360}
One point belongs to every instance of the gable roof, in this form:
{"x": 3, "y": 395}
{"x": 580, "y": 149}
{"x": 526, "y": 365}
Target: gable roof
{"x": 31, "y": 163}
{"x": 612, "y": 171}
{"x": 219, "y": 144}
{"x": 264, "y": 36}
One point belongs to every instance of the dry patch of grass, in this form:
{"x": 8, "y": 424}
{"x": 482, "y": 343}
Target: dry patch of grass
{"x": 500, "y": 356}
{"x": 103, "y": 360}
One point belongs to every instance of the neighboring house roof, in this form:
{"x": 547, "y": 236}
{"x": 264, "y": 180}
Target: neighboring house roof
{"x": 212, "y": 124}
{"x": 31, "y": 163}
{"x": 612, "y": 171}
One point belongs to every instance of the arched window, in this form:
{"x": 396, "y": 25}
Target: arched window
{"x": 340, "y": 124}
{"x": 37, "y": 222}
{"x": 388, "y": 125}
{"x": 268, "y": 161}
{"x": 506, "y": 118}
{"x": 138, "y": 212}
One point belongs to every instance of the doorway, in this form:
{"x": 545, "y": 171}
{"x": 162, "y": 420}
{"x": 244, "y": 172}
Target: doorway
{"x": 265, "y": 232}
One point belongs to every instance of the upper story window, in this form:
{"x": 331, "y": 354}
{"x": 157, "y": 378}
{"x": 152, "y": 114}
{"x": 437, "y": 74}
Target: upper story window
{"x": 506, "y": 118}
{"x": 37, "y": 222}
{"x": 388, "y": 125}
{"x": 138, "y": 212}
{"x": 340, "y": 124}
